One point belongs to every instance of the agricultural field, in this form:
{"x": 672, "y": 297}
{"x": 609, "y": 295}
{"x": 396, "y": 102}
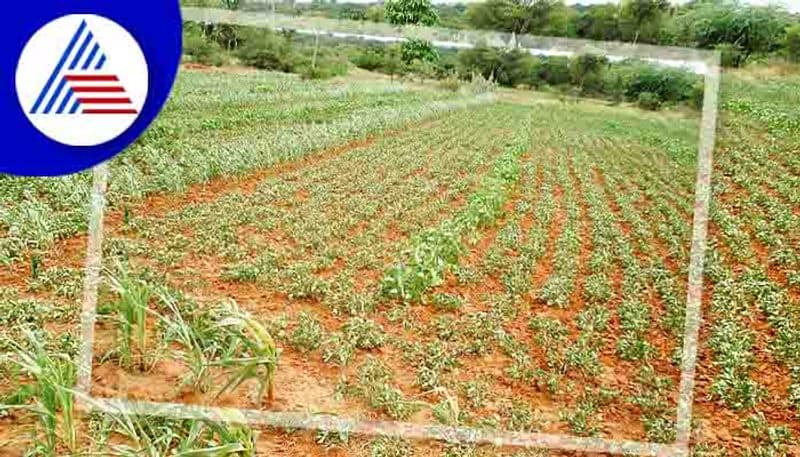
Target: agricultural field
{"x": 390, "y": 251}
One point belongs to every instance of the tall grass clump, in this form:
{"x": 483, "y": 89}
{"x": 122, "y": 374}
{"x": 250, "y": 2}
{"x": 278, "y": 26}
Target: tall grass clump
{"x": 131, "y": 309}
{"x": 52, "y": 377}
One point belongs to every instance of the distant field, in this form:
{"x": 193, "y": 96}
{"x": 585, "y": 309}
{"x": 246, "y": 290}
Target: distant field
{"x": 419, "y": 255}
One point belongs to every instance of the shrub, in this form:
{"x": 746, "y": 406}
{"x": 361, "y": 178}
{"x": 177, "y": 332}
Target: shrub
{"x": 667, "y": 83}
{"x": 446, "y": 66}
{"x": 479, "y": 60}
{"x": 615, "y": 84}
{"x": 732, "y": 55}
{"x": 372, "y": 58}
{"x": 364, "y": 333}
{"x": 555, "y": 70}
{"x": 421, "y": 50}
{"x": 374, "y": 13}
{"x": 382, "y": 59}
{"x": 325, "y": 67}
{"x": 450, "y": 83}
{"x": 447, "y": 302}
{"x": 648, "y": 101}
{"x": 200, "y": 49}
{"x": 422, "y": 69}
{"x": 265, "y": 50}
{"x": 307, "y": 336}
{"x": 792, "y": 43}
{"x": 515, "y": 68}
{"x": 697, "y": 95}
{"x": 587, "y": 72}
{"x": 480, "y": 85}
{"x": 740, "y": 32}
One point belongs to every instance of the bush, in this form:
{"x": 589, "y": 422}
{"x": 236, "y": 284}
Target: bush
{"x": 200, "y": 49}
{"x": 698, "y": 95}
{"x": 373, "y": 58}
{"x": 421, "y": 69}
{"x": 792, "y": 43}
{"x": 732, "y": 55}
{"x": 480, "y": 85}
{"x": 738, "y": 31}
{"x": 669, "y": 84}
{"x": 374, "y": 13}
{"x": 421, "y": 50}
{"x": 516, "y": 68}
{"x": 587, "y": 73}
{"x": 318, "y": 72}
{"x": 648, "y": 101}
{"x": 450, "y": 83}
{"x": 326, "y": 64}
{"x": 508, "y": 68}
{"x": 446, "y": 66}
{"x": 582, "y": 75}
{"x": 481, "y": 60}
{"x": 382, "y": 59}
{"x": 615, "y": 84}
{"x": 555, "y": 70}
{"x": 265, "y": 50}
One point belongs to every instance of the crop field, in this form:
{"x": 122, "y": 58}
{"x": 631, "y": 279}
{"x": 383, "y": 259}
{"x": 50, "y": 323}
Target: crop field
{"x": 389, "y": 251}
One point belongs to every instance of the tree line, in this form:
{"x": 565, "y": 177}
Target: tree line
{"x": 741, "y": 32}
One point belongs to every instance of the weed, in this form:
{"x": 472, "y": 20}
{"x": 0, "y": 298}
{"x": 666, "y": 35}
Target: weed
{"x": 390, "y": 447}
{"x": 521, "y": 417}
{"x": 331, "y": 439}
{"x": 771, "y": 440}
{"x": 156, "y": 437}
{"x": 447, "y": 302}
{"x": 373, "y": 385}
{"x": 54, "y": 376}
{"x": 132, "y": 310}
{"x": 64, "y": 282}
{"x": 459, "y": 450}
{"x": 307, "y": 335}
{"x": 476, "y": 393}
{"x": 363, "y": 333}
{"x": 448, "y": 411}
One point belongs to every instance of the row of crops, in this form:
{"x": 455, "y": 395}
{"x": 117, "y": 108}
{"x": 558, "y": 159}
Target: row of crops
{"x": 753, "y": 334}
{"x": 382, "y": 252}
{"x": 213, "y": 127}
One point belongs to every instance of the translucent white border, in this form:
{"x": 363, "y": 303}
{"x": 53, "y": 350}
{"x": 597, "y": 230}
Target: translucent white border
{"x": 705, "y": 62}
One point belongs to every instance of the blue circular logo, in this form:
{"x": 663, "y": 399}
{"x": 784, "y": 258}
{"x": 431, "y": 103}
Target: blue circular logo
{"x": 89, "y": 77}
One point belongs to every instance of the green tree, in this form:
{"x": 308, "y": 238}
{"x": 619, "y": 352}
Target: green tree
{"x": 561, "y": 21}
{"x": 600, "y": 22}
{"x": 642, "y": 19}
{"x": 517, "y": 16}
{"x": 413, "y": 12}
{"x": 738, "y": 31}
{"x": 405, "y": 12}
